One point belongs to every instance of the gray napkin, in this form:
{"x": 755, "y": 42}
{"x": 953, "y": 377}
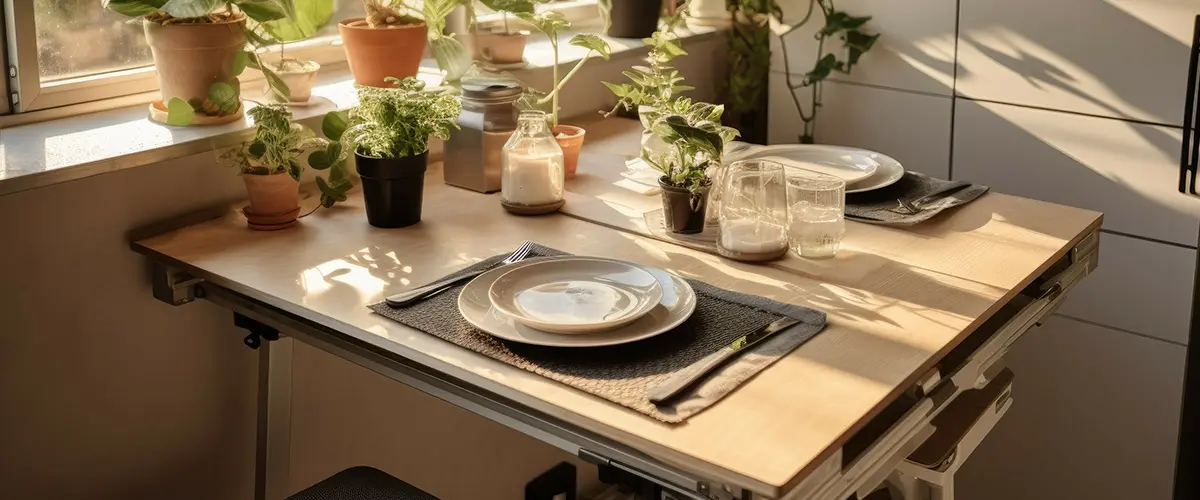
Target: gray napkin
{"x": 625, "y": 373}
{"x": 931, "y": 196}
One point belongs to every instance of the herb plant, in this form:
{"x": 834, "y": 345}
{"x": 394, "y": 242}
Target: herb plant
{"x": 653, "y": 88}
{"x": 223, "y": 97}
{"x": 695, "y": 141}
{"x": 276, "y": 149}
{"x": 390, "y": 122}
{"x": 551, "y": 23}
{"x": 505, "y": 8}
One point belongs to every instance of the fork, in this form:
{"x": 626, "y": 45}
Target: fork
{"x": 914, "y": 207}
{"x": 417, "y": 294}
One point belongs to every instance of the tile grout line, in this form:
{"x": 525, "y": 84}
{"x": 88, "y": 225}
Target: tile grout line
{"x": 1122, "y": 330}
{"x": 954, "y": 89}
{"x": 1148, "y": 239}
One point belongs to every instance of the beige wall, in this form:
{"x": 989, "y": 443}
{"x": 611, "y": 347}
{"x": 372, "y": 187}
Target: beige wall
{"x": 107, "y": 394}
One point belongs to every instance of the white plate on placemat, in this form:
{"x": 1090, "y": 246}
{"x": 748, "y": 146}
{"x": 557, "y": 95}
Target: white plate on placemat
{"x": 849, "y": 164}
{"x": 676, "y": 306}
{"x": 576, "y": 294}
{"x": 890, "y": 172}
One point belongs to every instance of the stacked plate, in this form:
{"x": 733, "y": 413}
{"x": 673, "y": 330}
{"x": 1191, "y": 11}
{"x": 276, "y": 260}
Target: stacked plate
{"x": 574, "y": 301}
{"x": 862, "y": 170}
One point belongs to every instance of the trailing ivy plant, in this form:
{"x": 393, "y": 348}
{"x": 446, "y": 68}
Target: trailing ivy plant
{"x": 550, "y": 23}
{"x": 855, "y": 43}
{"x": 394, "y": 122}
{"x": 276, "y": 148}
{"x": 223, "y": 97}
{"x": 750, "y": 65}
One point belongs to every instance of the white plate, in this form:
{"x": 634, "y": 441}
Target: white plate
{"x": 576, "y": 294}
{"x": 677, "y": 304}
{"x": 890, "y": 171}
{"x": 849, "y": 164}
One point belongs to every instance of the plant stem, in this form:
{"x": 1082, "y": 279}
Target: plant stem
{"x": 506, "y": 30}
{"x": 566, "y": 78}
{"x": 554, "y": 95}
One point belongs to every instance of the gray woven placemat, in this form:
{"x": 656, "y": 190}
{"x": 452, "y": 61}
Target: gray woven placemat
{"x": 625, "y": 373}
{"x": 882, "y": 206}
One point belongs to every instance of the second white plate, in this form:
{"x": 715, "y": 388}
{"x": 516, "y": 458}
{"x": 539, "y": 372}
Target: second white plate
{"x": 676, "y": 306}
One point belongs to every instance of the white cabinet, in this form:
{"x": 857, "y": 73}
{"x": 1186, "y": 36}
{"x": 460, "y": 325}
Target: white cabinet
{"x": 1094, "y": 416}
{"x": 1140, "y": 286}
{"x": 912, "y": 128}
{"x": 915, "y": 50}
{"x": 1127, "y": 170}
{"x": 1118, "y": 58}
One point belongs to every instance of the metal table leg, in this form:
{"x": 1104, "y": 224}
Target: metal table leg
{"x": 274, "y": 419}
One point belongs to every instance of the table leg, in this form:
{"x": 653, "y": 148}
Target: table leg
{"x": 274, "y": 419}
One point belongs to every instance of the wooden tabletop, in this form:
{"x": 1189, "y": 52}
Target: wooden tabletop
{"x": 897, "y": 301}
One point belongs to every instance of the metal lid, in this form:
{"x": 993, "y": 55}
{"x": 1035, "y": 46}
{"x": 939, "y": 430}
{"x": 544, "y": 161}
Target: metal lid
{"x": 490, "y": 89}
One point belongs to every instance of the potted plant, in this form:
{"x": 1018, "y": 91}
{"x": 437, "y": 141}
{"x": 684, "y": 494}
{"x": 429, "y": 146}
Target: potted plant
{"x": 630, "y": 18}
{"x": 652, "y": 89}
{"x": 389, "y": 135}
{"x": 270, "y": 166}
{"x": 388, "y": 42}
{"x": 504, "y": 46}
{"x": 299, "y": 75}
{"x": 694, "y": 142}
{"x": 569, "y": 137}
{"x": 199, "y": 50}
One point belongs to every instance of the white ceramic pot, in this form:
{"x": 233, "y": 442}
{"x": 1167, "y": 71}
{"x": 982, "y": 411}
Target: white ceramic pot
{"x": 707, "y": 13}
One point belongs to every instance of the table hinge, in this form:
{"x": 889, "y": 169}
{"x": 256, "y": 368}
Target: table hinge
{"x": 173, "y": 286}
{"x": 259, "y": 331}
{"x": 648, "y": 486}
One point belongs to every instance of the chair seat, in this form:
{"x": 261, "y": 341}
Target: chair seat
{"x": 362, "y": 483}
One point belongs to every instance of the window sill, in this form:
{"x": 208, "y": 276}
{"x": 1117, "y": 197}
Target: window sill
{"x": 65, "y": 149}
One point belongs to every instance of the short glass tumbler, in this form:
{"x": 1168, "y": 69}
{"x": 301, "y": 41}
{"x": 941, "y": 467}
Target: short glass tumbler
{"x": 816, "y": 213}
{"x": 753, "y": 215}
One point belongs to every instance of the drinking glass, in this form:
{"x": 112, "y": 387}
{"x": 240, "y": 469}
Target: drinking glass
{"x": 816, "y": 213}
{"x": 753, "y": 214}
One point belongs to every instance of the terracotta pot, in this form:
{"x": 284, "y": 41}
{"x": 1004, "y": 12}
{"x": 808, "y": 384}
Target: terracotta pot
{"x": 299, "y": 76}
{"x": 273, "y": 194}
{"x": 190, "y": 57}
{"x": 570, "y": 139}
{"x": 500, "y": 47}
{"x": 377, "y": 53}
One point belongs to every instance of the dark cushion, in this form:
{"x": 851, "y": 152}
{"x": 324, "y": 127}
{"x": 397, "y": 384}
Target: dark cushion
{"x": 362, "y": 483}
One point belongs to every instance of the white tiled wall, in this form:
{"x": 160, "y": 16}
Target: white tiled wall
{"x": 1071, "y": 101}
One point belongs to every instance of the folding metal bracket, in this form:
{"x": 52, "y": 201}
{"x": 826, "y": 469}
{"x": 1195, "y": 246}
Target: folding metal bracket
{"x": 649, "y": 486}
{"x": 173, "y": 286}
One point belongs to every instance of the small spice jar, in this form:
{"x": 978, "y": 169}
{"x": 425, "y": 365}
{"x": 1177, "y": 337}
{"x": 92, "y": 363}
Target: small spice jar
{"x": 488, "y": 120}
{"x": 533, "y": 173}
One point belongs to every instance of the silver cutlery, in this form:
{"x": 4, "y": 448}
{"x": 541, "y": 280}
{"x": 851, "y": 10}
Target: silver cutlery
{"x": 697, "y": 371}
{"x": 417, "y": 294}
{"x": 914, "y": 207}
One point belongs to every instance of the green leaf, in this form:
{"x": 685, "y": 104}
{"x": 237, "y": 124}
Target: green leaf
{"x": 435, "y": 13}
{"x": 334, "y": 124}
{"x": 308, "y": 19}
{"x": 618, "y": 89}
{"x": 592, "y": 42}
{"x": 223, "y": 95}
{"x": 134, "y": 8}
{"x": 318, "y": 160}
{"x": 840, "y": 21}
{"x": 262, "y": 11}
{"x": 451, "y": 56}
{"x": 191, "y": 8}
{"x": 256, "y": 39}
{"x": 294, "y": 169}
{"x": 257, "y": 149}
{"x": 277, "y": 85}
{"x": 510, "y": 6}
{"x": 179, "y": 112}
{"x": 821, "y": 71}
{"x": 239, "y": 63}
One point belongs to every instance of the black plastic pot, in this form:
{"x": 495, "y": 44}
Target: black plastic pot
{"x": 683, "y": 212}
{"x": 634, "y": 18}
{"x": 392, "y": 189}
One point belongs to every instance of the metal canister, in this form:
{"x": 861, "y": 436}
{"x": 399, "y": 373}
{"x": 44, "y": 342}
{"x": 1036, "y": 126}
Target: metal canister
{"x": 488, "y": 119}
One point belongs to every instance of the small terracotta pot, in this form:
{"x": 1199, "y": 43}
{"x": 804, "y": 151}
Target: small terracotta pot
{"x": 500, "y": 47}
{"x": 377, "y": 53}
{"x": 570, "y": 139}
{"x": 272, "y": 195}
{"x": 299, "y": 76}
{"x": 191, "y": 57}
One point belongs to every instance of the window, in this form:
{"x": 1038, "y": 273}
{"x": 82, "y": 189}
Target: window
{"x": 73, "y": 51}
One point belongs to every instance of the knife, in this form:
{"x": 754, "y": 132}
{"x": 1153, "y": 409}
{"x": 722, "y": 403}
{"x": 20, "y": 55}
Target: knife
{"x": 697, "y": 371}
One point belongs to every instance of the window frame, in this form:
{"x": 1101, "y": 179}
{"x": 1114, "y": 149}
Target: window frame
{"x": 31, "y": 94}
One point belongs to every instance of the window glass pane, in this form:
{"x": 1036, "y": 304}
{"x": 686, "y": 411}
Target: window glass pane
{"x": 81, "y": 37}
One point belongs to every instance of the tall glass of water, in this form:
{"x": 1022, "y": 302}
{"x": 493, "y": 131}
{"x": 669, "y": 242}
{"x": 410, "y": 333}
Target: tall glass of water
{"x": 816, "y": 213}
{"x": 753, "y": 218}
